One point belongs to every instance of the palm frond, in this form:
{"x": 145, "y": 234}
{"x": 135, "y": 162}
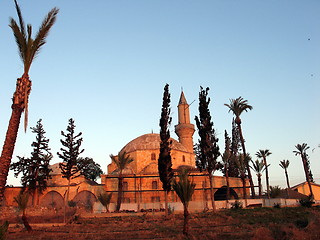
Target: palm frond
{"x": 19, "y": 37}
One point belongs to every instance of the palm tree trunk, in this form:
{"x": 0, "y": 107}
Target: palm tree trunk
{"x": 267, "y": 177}
{"x": 120, "y": 190}
{"x": 288, "y": 184}
{"x": 8, "y": 146}
{"x": 211, "y": 193}
{"x": 260, "y": 187}
{"x": 247, "y": 163}
{"x": 186, "y": 220}
{"x": 306, "y": 171}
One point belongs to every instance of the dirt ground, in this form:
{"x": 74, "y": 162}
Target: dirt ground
{"x": 264, "y": 224}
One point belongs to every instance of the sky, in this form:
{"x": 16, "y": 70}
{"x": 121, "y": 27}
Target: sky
{"x": 105, "y": 65}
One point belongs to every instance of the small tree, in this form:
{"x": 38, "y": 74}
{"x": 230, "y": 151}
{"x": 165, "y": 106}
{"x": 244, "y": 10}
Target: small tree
{"x": 234, "y": 150}
{"x": 70, "y": 153}
{"x": 208, "y": 143}
{"x": 184, "y": 189}
{"x": 35, "y": 170}
{"x": 89, "y": 168}
{"x": 121, "y": 161}
{"x": 258, "y": 167}
{"x": 22, "y": 201}
{"x": 263, "y": 154}
{"x": 105, "y": 199}
{"x": 284, "y": 164}
{"x": 302, "y": 151}
{"x": 164, "y": 160}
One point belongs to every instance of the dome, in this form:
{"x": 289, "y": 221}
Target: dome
{"x": 149, "y": 142}
{"x": 55, "y": 169}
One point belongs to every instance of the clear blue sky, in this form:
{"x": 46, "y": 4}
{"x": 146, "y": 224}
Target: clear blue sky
{"x": 106, "y": 62}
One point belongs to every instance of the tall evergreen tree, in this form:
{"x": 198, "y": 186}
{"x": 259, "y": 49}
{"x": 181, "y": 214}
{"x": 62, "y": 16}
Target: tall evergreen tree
{"x": 164, "y": 160}
{"x": 208, "y": 143}
{"x": 226, "y": 160}
{"x": 235, "y": 146}
{"x": 35, "y": 170}
{"x": 70, "y": 153}
{"x": 28, "y": 48}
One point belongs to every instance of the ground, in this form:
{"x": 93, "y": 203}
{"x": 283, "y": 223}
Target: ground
{"x": 261, "y": 223}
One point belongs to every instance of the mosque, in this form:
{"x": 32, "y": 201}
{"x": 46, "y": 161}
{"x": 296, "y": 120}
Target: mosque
{"x": 142, "y": 186}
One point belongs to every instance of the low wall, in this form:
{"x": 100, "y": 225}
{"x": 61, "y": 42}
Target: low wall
{"x": 199, "y": 206}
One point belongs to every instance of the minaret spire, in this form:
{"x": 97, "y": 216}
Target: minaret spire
{"x": 184, "y": 129}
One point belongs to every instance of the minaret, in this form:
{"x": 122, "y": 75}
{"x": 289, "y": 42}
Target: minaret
{"x": 184, "y": 129}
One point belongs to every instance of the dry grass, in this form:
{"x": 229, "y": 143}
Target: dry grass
{"x": 264, "y": 224}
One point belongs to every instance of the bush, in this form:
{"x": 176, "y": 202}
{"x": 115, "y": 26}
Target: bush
{"x": 277, "y": 205}
{"x": 275, "y": 191}
{"x": 306, "y": 202}
{"x": 3, "y": 230}
{"x": 236, "y": 205}
{"x": 72, "y": 203}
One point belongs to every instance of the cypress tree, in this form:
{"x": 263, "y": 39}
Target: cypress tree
{"x": 208, "y": 142}
{"x": 164, "y": 160}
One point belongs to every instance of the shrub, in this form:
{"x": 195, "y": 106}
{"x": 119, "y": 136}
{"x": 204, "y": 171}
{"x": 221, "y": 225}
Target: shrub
{"x": 277, "y": 205}
{"x": 306, "y": 202}
{"x": 72, "y": 203}
{"x": 236, "y": 205}
{"x": 3, "y": 230}
{"x": 275, "y": 191}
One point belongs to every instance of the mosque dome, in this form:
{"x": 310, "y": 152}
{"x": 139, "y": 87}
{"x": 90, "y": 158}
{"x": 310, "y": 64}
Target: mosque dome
{"x": 149, "y": 142}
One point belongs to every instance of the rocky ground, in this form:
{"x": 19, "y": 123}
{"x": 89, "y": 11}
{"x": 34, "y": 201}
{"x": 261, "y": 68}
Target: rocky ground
{"x": 263, "y": 223}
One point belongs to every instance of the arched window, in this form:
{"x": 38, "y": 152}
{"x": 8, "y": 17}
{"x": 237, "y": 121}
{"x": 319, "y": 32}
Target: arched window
{"x": 183, "y": 158}
{"x": 154, "y": 185}
{"x": 153, "y": 156}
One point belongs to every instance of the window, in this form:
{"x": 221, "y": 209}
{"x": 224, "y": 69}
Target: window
{"x": 153, "y": 156}
{"x": 154, "y": 185}
{"x": 183, "y": 158}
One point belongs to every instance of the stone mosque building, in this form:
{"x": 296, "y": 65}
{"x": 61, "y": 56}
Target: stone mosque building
{"x": 142, "y": 186}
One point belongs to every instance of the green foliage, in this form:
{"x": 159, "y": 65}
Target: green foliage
{"x": 29, "y": 47}
{"x": 71, "y": 151}
{"x": 307, "y": 202}
{"x": 89, "y": 168}
{"x": 275, "y": 191}
{"x": 35, "y": 170}
{"x": 302, "y": 151}
{"x": 3, "y": 230}
{"x": 236, "y": 205}
{"x": 258, "y": 167}
{"x": 208, "y": 153}
{"x": 22, "y": 200}
{"x": 122, "y": 161}
{"x": 184, "y": 188}
{"x": 284, "y": 164}
{"x": 164, "y": 160}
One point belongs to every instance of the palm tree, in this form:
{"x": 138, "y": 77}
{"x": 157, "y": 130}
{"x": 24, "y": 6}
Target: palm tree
{"x": 258, "y": 167}
{"x": 28, "y": 49}
{"x": 302, "y": 151}
{"x": 264, "y": 154}
{"x": 105, "y": 199}
{"x": 184, "y": 189}
{"x": 22, "y": 201}
{"x": 237, "y": 107}
{"x": 121, "y": 161}
{"x": 285, "y": 164}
